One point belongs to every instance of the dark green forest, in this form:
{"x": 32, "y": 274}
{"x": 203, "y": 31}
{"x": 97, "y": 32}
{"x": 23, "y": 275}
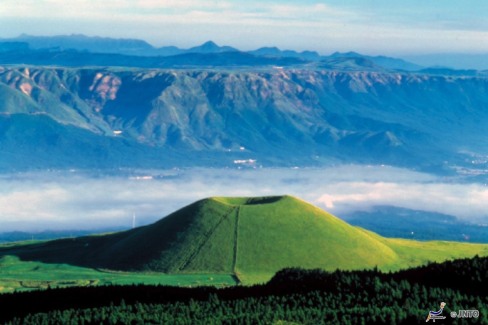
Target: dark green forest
{"x": 293, "y": 295}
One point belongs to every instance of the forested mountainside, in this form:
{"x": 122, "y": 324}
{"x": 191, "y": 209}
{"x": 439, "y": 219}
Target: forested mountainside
{"x": 113, "y": 117}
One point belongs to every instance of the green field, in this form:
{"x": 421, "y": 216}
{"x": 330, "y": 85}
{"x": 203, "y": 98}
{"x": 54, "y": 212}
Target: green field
{"x": 16, "y": 275}
{"x": 219, "y": 241}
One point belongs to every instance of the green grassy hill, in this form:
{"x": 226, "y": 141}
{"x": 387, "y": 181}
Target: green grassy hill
{"x": 251, "y": 238}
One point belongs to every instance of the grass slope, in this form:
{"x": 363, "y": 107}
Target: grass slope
{"x": 194, "y": 239}
{"x": 251, "y": 238}
{"x": 288, "y": 232}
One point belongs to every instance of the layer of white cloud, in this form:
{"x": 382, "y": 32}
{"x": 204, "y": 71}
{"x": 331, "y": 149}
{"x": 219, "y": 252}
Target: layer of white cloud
{"x": 63, "y": 201}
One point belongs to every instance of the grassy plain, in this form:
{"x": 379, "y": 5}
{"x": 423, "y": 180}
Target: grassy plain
{"x": 17, "y": 275}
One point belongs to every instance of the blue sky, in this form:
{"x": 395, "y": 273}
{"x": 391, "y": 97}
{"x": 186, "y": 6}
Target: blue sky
{"x": 369, "y": 26}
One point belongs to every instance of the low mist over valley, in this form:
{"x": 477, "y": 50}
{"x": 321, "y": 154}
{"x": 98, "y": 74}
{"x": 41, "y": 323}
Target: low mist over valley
{"x": 36, "y": 201}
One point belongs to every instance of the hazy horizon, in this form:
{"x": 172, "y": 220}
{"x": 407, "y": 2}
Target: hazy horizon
{"x": 369, "y": 27}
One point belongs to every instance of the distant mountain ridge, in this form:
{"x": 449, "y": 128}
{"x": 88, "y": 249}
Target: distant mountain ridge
{"x": 382, "y": 61}
{"x": 210, "y": 47}
{"x": 20, "y": 55}
{"x": 397, "y": 222}
{"x": 274, "y": 51}
{"x": 86, "y": 43}
{"x": 138, "y": 48}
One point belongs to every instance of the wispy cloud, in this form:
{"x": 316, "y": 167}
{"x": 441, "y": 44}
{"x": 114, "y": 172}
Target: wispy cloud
{"x": 462, "y": 200}
{"x": 178, "y": 12}
{"x": 318, "y": 25}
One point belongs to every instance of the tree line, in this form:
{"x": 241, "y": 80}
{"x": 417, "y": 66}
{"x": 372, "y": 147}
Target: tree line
{"x": 293, "y": 295}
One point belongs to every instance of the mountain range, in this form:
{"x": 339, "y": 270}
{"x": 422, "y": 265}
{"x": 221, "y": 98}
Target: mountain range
{"x": 134, "y": 47}
{"x": 91, "y": 102}
{"x": 137, "y": 47}
{"x": 57, "y": 117}
{"x": 81, "y": 50}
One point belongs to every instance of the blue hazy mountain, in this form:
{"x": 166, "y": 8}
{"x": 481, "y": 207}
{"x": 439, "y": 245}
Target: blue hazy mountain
{"x": 210, "y": 47}
{"x": 138, "y": 48}
{"x": 390, "y": 221}
{"x": 353, "y": 63}
{"x": 382, "y": 61}
{"x": 276, "y": 52}
{"x": 14, "y": 47}
{"x": 95, "y": 44}
{"x": 74, "y": 58}
{"x": 17, "y": 236}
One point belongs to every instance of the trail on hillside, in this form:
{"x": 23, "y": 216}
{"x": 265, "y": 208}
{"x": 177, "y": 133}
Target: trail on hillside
{"x": 236, "y": 237}
{"x": 205, "y": 239}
